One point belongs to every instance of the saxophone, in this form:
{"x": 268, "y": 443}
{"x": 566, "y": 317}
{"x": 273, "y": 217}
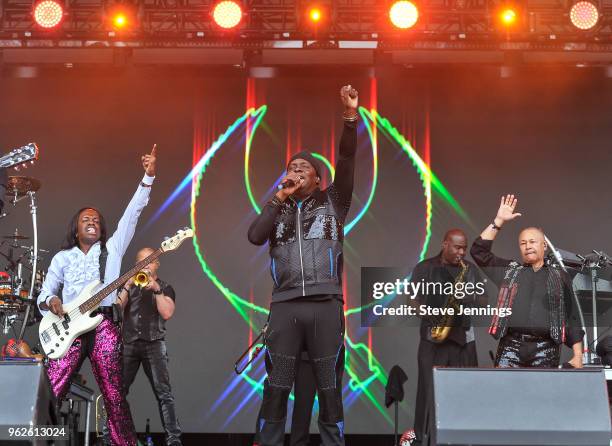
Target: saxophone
{"x": 440, "y": 331}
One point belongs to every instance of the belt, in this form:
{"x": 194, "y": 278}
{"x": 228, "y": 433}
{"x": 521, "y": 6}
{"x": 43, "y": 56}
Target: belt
{"x": 529, "y": 337}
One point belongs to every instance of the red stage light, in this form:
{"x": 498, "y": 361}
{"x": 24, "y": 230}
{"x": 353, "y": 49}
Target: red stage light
{"x": 227, "y": 14}
{"x": 584, "y": 15}
{"x": 508, "y": 16}
{"x": 315, "y": 15}
{"x": 120, "y": 20}
{"x": 403, "y": 14}
{"x": 48, "y": 14}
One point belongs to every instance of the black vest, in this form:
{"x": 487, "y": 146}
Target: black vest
{"x": 141, "y": 319}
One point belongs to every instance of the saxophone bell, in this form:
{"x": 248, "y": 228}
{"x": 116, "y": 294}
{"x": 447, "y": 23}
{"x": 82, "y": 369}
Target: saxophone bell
{"x": 440, "y": 331}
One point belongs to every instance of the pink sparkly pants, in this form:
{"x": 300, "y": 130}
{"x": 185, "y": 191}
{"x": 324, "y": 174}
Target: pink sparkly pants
{"x": 104, "y": 349}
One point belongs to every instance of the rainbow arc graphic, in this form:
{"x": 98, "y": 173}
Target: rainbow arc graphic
{"x": 366, "y": 375}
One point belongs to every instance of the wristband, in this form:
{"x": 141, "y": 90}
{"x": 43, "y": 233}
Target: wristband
{"x": 350, "y": 116}
{"x": 495, "y": 227}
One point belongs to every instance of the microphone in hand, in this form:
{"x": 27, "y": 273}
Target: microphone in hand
{"x": 287, "y": 183}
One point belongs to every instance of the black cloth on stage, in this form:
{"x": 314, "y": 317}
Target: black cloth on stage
{"x": 394, "y": 390}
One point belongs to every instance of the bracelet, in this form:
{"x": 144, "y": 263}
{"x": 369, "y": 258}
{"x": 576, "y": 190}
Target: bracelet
{"x": 157, "y": 293}
{"x": 350, "y": 116}
{"x": 143, "y": 184}
{"x": 495, "y": 227}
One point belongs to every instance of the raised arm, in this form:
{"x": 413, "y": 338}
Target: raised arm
{"x": 481, "y": 248}
{"x": 341, "y": 190}
{"x": 122, "y": 236}
{"x": 505, "y": 213}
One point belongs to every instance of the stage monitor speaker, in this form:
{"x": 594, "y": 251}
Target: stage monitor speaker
{"x": 26, "y": 395}
{"x": 535, "y": 407}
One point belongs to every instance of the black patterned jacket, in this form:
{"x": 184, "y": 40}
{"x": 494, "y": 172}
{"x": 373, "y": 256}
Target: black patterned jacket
{"x": 306, "y": 240}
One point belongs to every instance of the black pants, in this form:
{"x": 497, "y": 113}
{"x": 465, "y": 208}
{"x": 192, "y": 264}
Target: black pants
{"x": 304, "y": 392}
{"x": 430, "y": 355}
{"x": 154, "y": 359}
{"x": 318, "y": 328}
{"x": 522, "y": 350}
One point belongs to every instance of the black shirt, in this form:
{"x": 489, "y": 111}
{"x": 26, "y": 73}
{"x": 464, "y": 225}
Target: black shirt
{"x": 531, "y": 310}
{"x": 142, "y": 320}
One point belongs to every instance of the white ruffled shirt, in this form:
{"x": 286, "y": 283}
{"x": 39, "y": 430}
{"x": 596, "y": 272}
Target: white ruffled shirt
{"x": 75, "y": 269}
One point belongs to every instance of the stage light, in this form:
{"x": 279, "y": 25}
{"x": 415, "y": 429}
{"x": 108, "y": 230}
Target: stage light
{"x": 315, "y": 14}
{"x": 121, "y": 16}
{"x": 48, "y": 14}
{"x": 227, "y": 14}
{"x": 508, "y": 16}
{"x": 584, "y": 15}
{"x": 403, "y": 14}
{"x": 120, "y": 20}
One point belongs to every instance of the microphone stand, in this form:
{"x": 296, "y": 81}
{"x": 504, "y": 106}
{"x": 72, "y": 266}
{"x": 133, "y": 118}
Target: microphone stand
{"x": 33, "y": 211}
{"x": 585, "y": 339}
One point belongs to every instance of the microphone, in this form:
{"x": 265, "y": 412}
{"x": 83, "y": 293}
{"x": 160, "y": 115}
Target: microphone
{"x": 556, "y": 254}
{"x": 287, "y": 183}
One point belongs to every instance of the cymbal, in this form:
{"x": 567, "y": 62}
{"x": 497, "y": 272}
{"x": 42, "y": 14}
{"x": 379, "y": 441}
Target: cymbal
{"x": 16, "y": 237}
{"x": 21, "y": 185}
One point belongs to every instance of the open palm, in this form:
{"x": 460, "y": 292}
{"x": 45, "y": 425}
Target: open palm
{"x": 506, "y": 208}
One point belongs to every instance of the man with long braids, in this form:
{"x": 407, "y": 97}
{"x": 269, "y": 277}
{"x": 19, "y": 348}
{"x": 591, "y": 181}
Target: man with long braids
{"x": 304, "y": 226}
{"x": 88, "y": 255}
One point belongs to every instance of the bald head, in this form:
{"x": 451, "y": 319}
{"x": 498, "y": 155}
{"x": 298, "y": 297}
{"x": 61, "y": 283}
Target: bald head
{"x": 454, "y": 232}
{"x": 454, "y": 246}
{"x": 143, "y": 254}
{"x": 532, "y": 245}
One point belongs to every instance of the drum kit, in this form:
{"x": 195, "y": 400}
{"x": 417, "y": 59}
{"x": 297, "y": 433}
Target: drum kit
{"x": 20, "y": 281}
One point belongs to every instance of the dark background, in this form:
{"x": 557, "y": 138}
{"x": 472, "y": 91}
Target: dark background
{"x": 543, "y": 134}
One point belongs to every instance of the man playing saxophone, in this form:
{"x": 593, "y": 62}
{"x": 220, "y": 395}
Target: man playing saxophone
{"x": 443, "y": 341}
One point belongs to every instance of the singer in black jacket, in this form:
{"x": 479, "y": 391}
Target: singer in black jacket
{"x": 304, "y": 226}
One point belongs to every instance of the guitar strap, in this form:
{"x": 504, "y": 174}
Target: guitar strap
{"x": 102, "y": 260}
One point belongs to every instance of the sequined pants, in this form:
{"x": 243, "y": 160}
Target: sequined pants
{"x": 522, "y": 350}
{"x": 103, "y": 347}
